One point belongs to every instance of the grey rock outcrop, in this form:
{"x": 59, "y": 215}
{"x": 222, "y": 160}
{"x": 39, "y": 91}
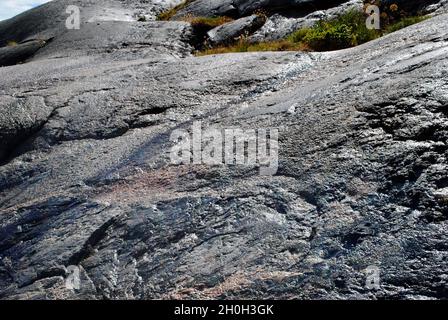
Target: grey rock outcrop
{"x": 209, "y": 8}
{"x": 279, "y": 26}
{"x": 239, "y": 8}
{"x": 229, "y": 32}
{"x": 413, "y": 6}
{"x": 17, "y": 53}
{"x": 287, "y": 16}
{"x": 86, "y": 179}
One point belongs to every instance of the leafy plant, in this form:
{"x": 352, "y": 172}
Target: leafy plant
{"x": 346, "y": 31}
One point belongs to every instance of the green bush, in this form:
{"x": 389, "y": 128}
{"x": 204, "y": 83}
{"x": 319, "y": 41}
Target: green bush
{"x": 346, "y": 31}
{"x": 326, "y": 37}
{"x": 299, "y": 35}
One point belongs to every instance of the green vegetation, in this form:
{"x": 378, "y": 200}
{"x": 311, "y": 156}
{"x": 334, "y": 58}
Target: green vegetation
{"x": 403, "y": 23}
{"x": 12, "y": 43}
{"x": 345, "y": 31}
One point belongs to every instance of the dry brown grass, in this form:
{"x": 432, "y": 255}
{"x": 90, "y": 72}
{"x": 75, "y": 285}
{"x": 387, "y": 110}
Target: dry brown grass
{"x": 244, "y": 46}
{"x": 206, "y": 22}
{"x": 169, "y": 14}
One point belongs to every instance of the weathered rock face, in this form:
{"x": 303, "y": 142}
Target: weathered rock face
{"x": 280, "y": 25}
{"x": 291, "y": 6}
{"x": 287, "y": 16}
{"x": 247, "y": 7}
{"x": 412, "y": 6}
{"x": 86, "y": 179}
{"x": 228, "y": 32}
{"x": 17, "y": 53}
{"x": 297, "y": 8}
{"x": 209, "y": 8}
{"x": 33, "y": 24}
{"x": 439, "y": 7}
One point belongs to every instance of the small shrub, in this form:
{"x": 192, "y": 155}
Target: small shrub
{"x": 393, "y": 7}
{"x": 299, "y": 35}
{"x": 12, "y": 43}
{"x": 346, "y": 31}
{"x": 329, "y": 37}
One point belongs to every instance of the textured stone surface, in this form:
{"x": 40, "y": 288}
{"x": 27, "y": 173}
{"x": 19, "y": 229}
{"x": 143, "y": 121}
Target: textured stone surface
{"x": 280, "y": 25}
{"x": 413, "y": 6}
{"x": 209, "y": 8}
{"x": 229, "y": 32}
{"x": 247, "y": 7}
{"x": 86, "y": 179}
{"x": 16, "y": 53}
{"x": 287, "y": 16}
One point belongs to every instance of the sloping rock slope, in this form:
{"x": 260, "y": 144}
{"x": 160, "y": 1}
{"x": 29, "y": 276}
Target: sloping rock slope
{"x": 86, "y": 178}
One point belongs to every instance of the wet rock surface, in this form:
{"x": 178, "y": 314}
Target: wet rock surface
{"x": 86, "y": 179}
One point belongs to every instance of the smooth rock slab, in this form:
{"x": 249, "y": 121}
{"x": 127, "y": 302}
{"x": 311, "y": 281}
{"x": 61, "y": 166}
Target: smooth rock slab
{"x": 14, "y": 54}
{"x": 239, "y": 8}
{"x": 19, "y": 117}
{"x": 229, "y": 32}
{"x": 361, "y": 181}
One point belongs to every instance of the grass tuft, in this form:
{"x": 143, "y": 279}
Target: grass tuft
{"x": 244, "y": 46}
{"x": 206, "y": 22}
{"x": 345, "y": 31}
{"x": 403, "y": 23}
